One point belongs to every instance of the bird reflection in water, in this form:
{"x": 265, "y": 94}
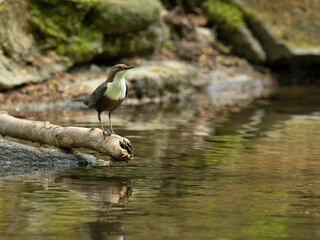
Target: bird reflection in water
{"x": 110, "y": 192}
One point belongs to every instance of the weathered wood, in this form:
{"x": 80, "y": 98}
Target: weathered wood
{"x": 66, "y": 137}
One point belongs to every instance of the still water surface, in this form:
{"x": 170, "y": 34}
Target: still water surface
{"x": 251, "y": 175}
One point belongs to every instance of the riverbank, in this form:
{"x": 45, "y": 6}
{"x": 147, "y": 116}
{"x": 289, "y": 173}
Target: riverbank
{"x": 188, "y": 61}
{"x": 162, "y": 77}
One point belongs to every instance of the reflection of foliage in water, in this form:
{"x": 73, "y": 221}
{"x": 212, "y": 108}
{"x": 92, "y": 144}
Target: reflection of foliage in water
{"x": 221, "y": 149}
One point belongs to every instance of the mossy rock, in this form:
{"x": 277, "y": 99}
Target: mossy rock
{"x": 61, "y": 26}
{"x": 20, "y": 59}
{"x": 135, "y": 42}
{"x": 77, "y": 29}
{"x": 291, "y": 38}
{"x": 231, "y": 26}
{"x": 224, "y": 14}
{"x": 15, "y": 41}
{"x": 116, "y": 17}
{"x": 294, "y": 22}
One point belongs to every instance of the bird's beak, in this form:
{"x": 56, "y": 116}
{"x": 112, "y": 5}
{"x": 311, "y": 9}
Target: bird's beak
{"x": 129, "y": 67}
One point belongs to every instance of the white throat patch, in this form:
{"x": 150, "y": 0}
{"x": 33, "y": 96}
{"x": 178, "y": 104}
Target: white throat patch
{"x": 117, "y": 88}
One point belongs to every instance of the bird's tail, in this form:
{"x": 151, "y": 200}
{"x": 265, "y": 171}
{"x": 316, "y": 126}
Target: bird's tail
{"x": 85, "y": 100}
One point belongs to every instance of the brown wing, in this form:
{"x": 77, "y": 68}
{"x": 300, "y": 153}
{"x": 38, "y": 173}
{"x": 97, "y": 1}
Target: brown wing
{"x": 97, "y": 94}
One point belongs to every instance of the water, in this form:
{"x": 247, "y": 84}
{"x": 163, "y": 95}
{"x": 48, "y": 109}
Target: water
{"x": 251, "y": 175}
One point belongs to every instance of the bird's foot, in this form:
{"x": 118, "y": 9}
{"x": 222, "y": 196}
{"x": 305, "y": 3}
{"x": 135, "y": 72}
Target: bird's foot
{"x": 107, "y": 133}
{"x": 110, "y": 131}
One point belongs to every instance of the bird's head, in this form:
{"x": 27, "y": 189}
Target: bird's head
{"x": 120, "y": 68}
{"x": 118, "y": 71}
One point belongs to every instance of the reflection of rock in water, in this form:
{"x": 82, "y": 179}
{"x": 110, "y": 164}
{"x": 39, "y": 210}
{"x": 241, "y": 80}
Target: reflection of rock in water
{"x": 115, "y": 191}
{"x": 104, "y": 230}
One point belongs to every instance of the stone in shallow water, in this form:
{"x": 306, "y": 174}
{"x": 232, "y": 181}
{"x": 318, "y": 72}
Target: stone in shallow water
{"x": 17, "y": 155}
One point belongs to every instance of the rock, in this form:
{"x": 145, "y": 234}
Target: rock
{"x": 246, "y": 45}
{"x": 20, "y": 59}
{"x": 64, "y": 29}
{"x": 232, "y": 28}
{"x": 275, "y": 48}
{"x": 93, "y": 68}
{"x": 155, "y": 79}
{"x": 273, "y": 37}
{"x": 306, "y": 57}
{"x": 135, "y": 42}
{"x": 15, "y": 43}
{"x": 289, "y": 33}
{"x": 279, "y": 52}
{"x": 103, "y": 28}
{"x": 14, "y": 74}
{"x": 120, "y": 17}
{"x": 224, "y": 88}
{"x": 20, "y": 155}
{"x": 40, "y": 38}
{"x": 206, "y": 35}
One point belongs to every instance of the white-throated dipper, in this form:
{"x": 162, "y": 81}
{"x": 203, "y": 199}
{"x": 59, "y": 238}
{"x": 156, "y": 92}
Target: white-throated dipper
{"x": 109, "y": 95}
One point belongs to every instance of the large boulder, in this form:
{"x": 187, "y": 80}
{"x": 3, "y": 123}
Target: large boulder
{"x": 20, "y": 59}
{"x": 40, "y": 38}
{"x": 122, "y": 16}
{"x": 161, "y": 78}
{"x": 232, "y": 28}
{"x": 155, "y": 79}
{"x": 135, "y": 42}
{"x": 64, "y": 28}
{"x": 288, "y": 30}
{"x": 83, "y": 30}
{"x": 129, "y": 27}
{"x": 245, "y": 44}
{"x": 275, "y": 48}
{"x": 39, "y": 69}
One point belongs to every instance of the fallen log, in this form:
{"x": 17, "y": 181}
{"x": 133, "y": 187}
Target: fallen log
{"x": 116, "y": 146}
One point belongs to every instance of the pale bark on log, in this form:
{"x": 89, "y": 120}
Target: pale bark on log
{"x": 66, "y": 137}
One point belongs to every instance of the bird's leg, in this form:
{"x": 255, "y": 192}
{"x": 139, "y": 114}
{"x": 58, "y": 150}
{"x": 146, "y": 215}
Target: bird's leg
{"x": 110, "y": 122}
{"x": 110, "y": 131}
{"x": 103, "y": 131}
{"x": 99, "y": 117}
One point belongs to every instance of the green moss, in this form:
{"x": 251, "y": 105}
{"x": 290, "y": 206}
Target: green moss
{"x": 60, "y": 25}
{"x": 4, "y": 7}
{"x": 167, "y": 44}
{"x": 86, "y": 44}
{"x": 224, "y": 14}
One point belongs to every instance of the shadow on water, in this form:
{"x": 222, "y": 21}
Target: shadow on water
{"x": 247, "y": 175}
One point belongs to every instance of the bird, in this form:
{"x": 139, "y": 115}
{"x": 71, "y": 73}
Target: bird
{"x": 109, "y": 95}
